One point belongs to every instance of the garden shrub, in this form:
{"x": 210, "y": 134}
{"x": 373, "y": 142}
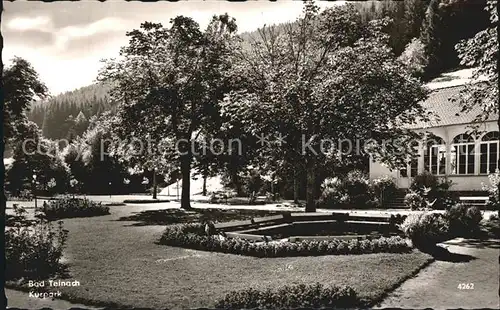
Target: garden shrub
{"x": 352, "y": 191}
{"x": 464, "y": 219}
{"x": 426, "y": 229}
{"x": 193, "y": 236}
{"x": 493, "y": 190}
{"x": 385, "y": 188}
{"x": 357, "y": 187}
{"x": 33, "y": 248}
{"x": 291, "y": 297}
{"x": 432, "y": 188}
{"x": 332, "y": 193}
{"x": 69, "y": 207}
{"x": 414, "y": 201}
{"x": 491, "y": 226}
{"x": 252, "y": 182}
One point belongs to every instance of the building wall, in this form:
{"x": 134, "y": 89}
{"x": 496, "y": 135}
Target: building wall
{"x": 447, "y": 133}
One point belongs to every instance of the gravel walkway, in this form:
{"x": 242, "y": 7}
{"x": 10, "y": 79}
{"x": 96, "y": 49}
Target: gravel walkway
{"x": 472, "y": 262}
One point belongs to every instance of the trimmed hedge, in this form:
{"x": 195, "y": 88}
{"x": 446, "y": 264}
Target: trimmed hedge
{"x": 68, "y": 207}
{"x": 291, "y": 297}
{"x": 193, "y": 236}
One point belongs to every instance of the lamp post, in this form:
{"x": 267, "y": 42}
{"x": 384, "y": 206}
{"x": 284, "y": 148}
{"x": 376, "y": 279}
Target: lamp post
{"x": 34, "y": 190}
{"x": 177, "y": 186}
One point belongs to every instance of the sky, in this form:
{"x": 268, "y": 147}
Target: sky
{"x": 65, "y": 41}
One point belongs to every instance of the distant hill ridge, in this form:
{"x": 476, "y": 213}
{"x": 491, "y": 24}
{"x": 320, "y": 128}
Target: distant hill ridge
{"x": 67, "y": 114}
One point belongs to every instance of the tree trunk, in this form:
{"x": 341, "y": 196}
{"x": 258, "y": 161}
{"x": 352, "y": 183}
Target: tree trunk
{"x": 155, "y": 186}
{"x": 295, "y": 187}
{"x": 186, "y": 182}
{"x": 311, "y": 190}
{"x": 237, "y": 184}
{"x": 204, "y": 191}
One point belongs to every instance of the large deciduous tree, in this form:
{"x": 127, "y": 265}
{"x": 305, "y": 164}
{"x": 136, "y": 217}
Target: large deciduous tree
{"x": 326, "y": 78}
{"x": 32, "y": 154}
{"x": 169, "y": 81}
{"x": 21, "y": 86}
{"x": 481, "y": 53}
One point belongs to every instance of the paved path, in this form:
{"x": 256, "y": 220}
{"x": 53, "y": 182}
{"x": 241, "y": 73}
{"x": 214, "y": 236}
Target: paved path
{"x": 436, "y": 286}
{"x": 282, "y": 206}
{"x": 17, "y": 299}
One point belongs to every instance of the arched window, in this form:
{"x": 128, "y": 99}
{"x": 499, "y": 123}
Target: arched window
{"x": 412, "y": 163}
{"x": 489, "y": 148}
{"x": 462, "y": 154}
{"x": 435, "y": 156}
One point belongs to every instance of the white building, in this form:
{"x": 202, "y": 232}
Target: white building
{"x": 453, "y": 154}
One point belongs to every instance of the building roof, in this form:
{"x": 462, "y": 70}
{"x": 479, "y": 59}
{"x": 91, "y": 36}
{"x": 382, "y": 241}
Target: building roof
{"x": 443, "y": 89}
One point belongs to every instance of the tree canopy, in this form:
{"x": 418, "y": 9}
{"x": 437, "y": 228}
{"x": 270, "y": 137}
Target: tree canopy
{"x": 21, "y": 87}
{"x": 481, "y": 53}
{"x": 318, "y": 81}
{"x": 169, "y": 82}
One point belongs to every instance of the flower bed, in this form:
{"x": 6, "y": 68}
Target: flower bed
{"x": 291, "y": 297}
{"x": 33, "y": 248}
{"x": 193, "y": 236}
{"x": 68, "y": 207}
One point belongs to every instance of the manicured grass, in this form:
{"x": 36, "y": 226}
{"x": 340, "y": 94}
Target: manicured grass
{"x": 118, "y": 263}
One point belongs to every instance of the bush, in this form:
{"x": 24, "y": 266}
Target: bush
{"x": 193, "y": 236}
{"x": 491, "y": 226}
{"x": 464, "y": 219}
{"x": 493, "y": 190}
{"x": 291, "y": 297}
{"x": 385, "y": 188}
{"x": 332, "y": 193}
{"x": 426, "y": 229}
{"x": 357, "y": 188}
{"x": 414, "y": 201}
{"x": 352, "y": 191}
{"x": 33, "y": 248}
{"x": 69, "y": 207}
{"x": 432, "y": 188}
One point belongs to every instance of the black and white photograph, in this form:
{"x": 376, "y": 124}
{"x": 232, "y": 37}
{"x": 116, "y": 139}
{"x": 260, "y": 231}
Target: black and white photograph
{"x": 251, "y": 154}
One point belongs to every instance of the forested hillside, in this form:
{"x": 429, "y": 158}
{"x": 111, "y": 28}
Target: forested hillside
{"x": 67, "y": 115}
{"x": 438, "y": 25}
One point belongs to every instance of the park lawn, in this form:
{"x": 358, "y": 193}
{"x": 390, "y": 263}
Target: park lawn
{"x": 118, "y": 263}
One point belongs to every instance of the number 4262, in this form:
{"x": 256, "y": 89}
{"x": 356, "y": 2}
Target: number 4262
{"x": 465, "y": 286}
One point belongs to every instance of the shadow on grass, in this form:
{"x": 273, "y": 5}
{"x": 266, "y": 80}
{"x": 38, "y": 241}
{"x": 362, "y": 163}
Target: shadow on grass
{"x": 479, "y": 243}
{"x": 440, "y": 253}
{"x": 239, "y": 201}
{"x": 17, "y": 276}
{"x": 178, "y": 216}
